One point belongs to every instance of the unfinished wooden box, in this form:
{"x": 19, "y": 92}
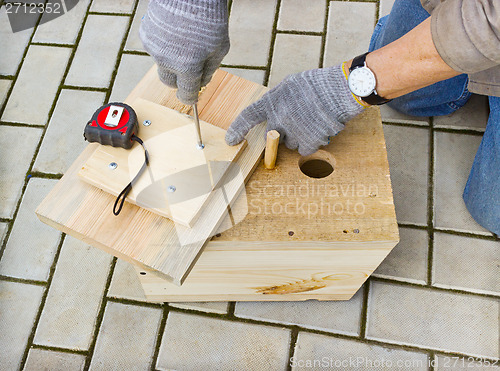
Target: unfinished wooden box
{"x": 312, "y": 228}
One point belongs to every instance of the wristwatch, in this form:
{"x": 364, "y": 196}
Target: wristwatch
{"x": 362, "y": 81}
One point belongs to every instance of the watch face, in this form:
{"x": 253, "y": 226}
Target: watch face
{"x": 361, "y": 81}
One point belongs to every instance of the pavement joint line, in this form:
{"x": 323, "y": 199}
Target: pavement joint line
{"x": 42, "y": 301}
{"x": 466, "y": 131}
{"x": 424, "y": 125}
{"x": 135, "y": 52}
{"x": 159, "y": 336}
{"x": 84, "y": 88}
{"x": 413, "y": 226}
{"x": 229, "y": 7}
{"x": 120, "y": 53}
{"x": 323, "y": 36}
{"x": 59, "y": 349}
{"x": 108, "y": 14}
{"x": 21, "y": 124}
{"x": 377, "y": 13}
{"x": 231, "y": 307}
{"x": 490, "y": 237}
{"x": 297, "y": 32}
{"x": 7, "y": 77}
{"x": 294, "y": 334}
{"x": 243, "y": 67}
{"x": 396, "y": 279}
{"x": 271, "y": 45}
{"x": 53, "y": 45}
{"x": 5, "y": 220}
{"x": 430, "y": 204}
{"x": 37, "y": 174}
{"x": 364, "y": 309}
{"x": 431, "y": 356}
{"x": 22, "y": 280}
{"x": 138, "y": 303}
{"x": 100, "y": 315}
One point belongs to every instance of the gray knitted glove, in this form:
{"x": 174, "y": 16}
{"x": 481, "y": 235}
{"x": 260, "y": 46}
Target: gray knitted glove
{"x": 306, "y": 109}
{"x": 188, "y": 40}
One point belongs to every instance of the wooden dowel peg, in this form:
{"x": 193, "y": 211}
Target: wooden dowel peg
{"x": 272, "y": 142}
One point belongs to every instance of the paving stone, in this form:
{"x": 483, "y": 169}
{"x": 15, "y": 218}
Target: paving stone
{"x": 61, "y": 146}
{"x": 250, "y": 29}
{"x": 41, "y": 359}
{"x": 210, "y": 307}
{"x": 340, "y": 316}
{"x": 454, "y": 154}
{"x": 347, "y": 35}
{"x": 127, "y": 338}
{"x": 306, "y": 51}
{"x": 294, "y": 17}
{"x": 14, "y": 163}
{"x": 385, "y": 7}
{"x": 102, "y": 36}
{"x": 4, "y": 89}
{"x": 251, "y": 75}
{"x": 63, "y": 29}
{"x": 390, "y": 115}
{"x": 31, "y": 247}
{"x": 408, "y": 154}
{"x": 474, "y": 115}
{"x": 434, "y": 319}
{"x": 318, "y": 352}
{"x": 18, "y": 308}
{"x": 446, "y": 363}
{"x": 12, "y": 45}
{"x": 37, "y": 85}
{"x": 74, "y": 298}
{"x": 193, "y": 342}
{"x": 125, "y": 284}
{"x": 133, "y": 40}
{"x": 115, "y": 6}
{"x": 131, "y": 70}
{"x": 408, "y": 260}
{"x": 466, "y": 263}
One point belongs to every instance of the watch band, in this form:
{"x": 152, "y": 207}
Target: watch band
{"x": 373, "y": 98}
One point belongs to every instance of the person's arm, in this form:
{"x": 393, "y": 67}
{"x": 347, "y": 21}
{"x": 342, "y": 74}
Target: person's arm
{"x": 407, "y": 64}
{"x": 310, "y": 107}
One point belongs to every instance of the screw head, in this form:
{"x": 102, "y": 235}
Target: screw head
{"x": 113, "y": 165}
{"x": 200, "y": 146}
{"x": 171, "y": 189}
{"x": 146, "y": 122}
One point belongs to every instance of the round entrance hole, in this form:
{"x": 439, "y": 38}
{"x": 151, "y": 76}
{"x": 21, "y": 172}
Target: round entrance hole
{"x": 318, "y": 165}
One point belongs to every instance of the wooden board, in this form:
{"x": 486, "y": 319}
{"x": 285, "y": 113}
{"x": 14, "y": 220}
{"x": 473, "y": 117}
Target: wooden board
{"x": 138, "y": 235}
{"x": 301, "y": 237}
{"x": 174, "y": 161}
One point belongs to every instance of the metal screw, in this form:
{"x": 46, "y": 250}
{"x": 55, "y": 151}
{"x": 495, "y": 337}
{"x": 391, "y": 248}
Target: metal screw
{"x": 113, "y": 165}
{"x": 200, "y": 146}
{"x": 146, "y": 122}
{"x": 171, "y": 189}
{"x": 356, "y": 230}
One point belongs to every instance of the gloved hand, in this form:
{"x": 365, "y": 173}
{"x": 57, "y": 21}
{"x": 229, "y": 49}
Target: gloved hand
{"x": 305, "y": 108}
{"x": 188, "y": 40}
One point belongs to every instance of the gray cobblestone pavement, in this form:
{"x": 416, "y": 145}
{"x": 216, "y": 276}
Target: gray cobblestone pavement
{"x": 433, "y": 304}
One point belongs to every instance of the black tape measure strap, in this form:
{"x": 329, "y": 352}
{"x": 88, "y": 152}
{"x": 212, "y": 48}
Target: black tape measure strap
{"x": 123, "y": 194}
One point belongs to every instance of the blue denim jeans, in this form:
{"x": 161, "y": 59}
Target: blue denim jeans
{"x": 482, "y": 191}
